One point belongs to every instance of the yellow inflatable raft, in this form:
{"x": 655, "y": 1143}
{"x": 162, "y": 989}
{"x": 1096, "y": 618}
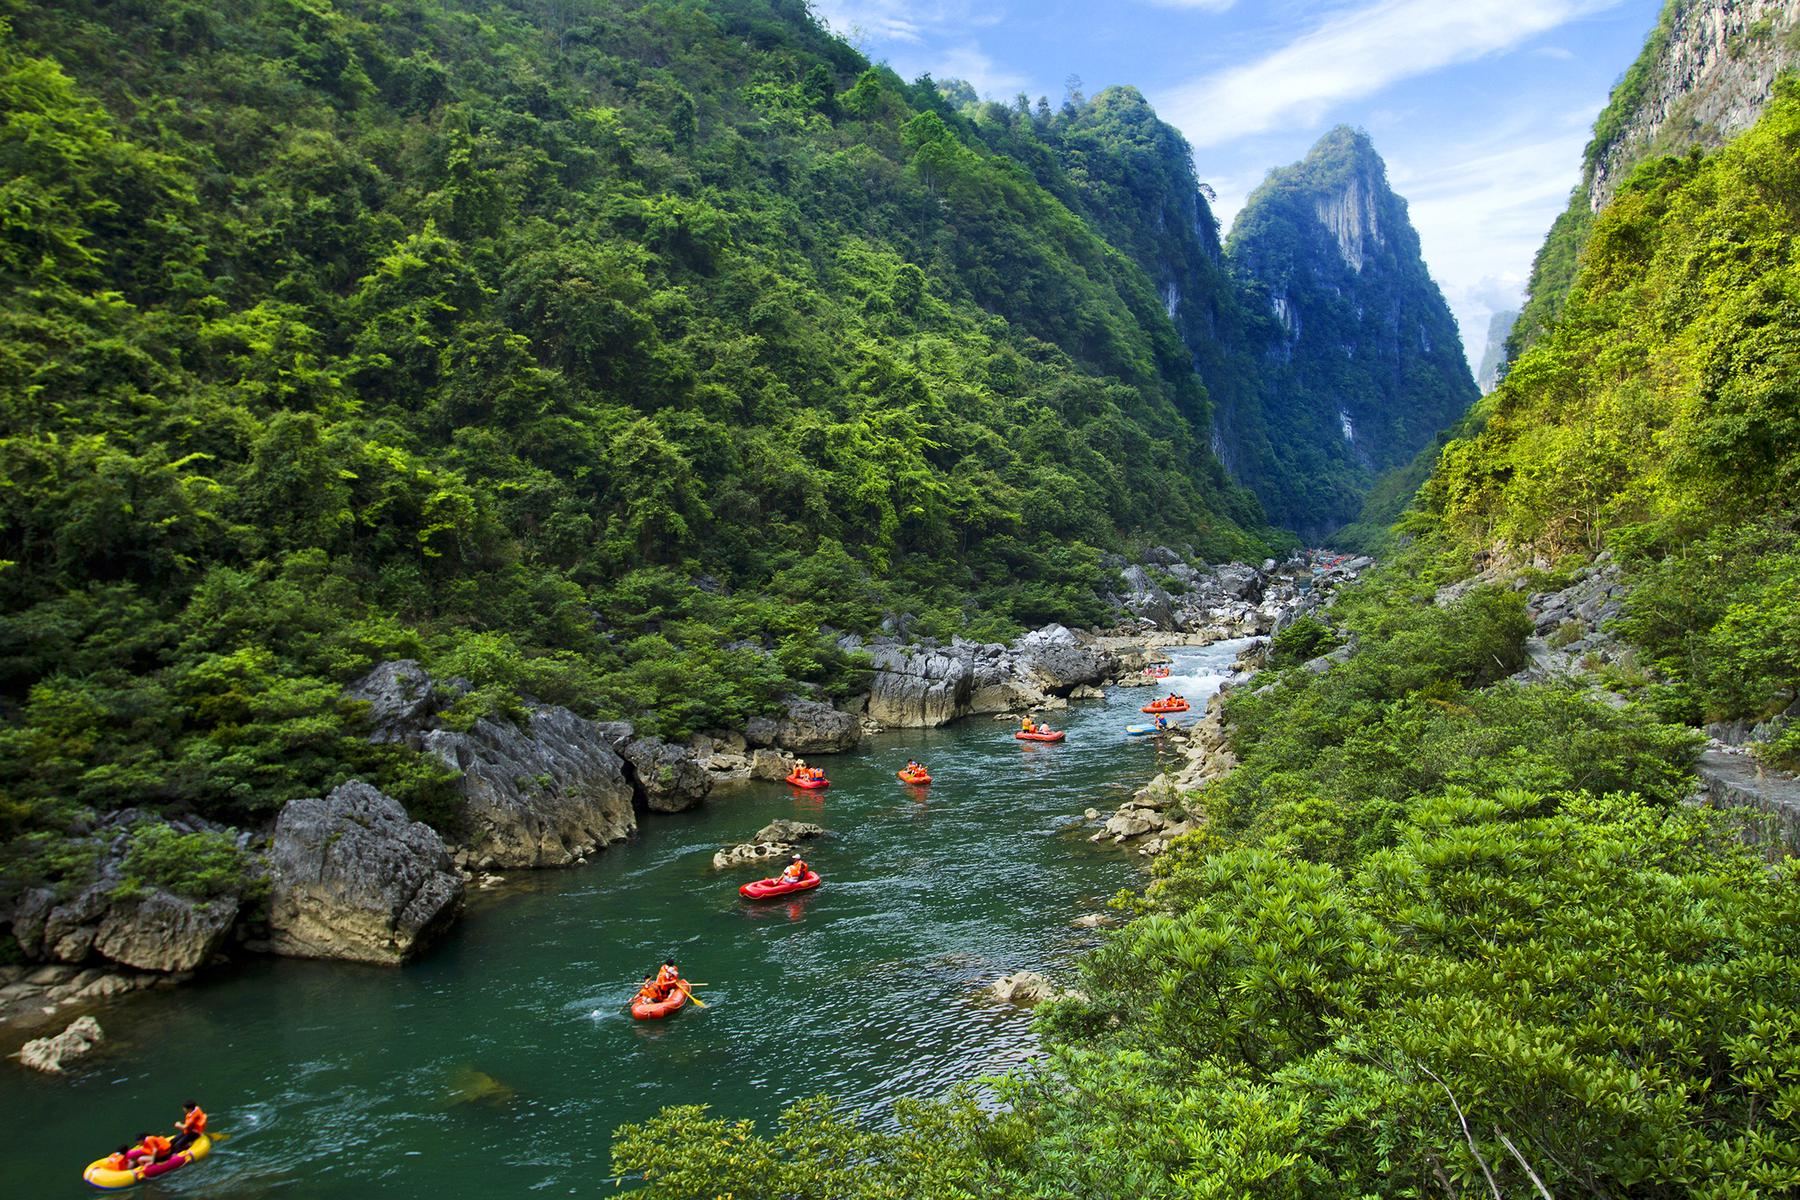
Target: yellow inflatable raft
{"x": 108, "y": 1180}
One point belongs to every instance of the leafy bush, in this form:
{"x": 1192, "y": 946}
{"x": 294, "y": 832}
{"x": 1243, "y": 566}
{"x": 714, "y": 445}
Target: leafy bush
{"x": 1306, "y": 638}
{"x": 200, "y": 866}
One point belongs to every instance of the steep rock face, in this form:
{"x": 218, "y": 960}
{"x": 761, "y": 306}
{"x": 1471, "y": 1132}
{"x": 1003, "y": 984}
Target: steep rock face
{"x": 537, "y": 797}
{"x": 1361, "y": 361}
{"x": 1709, "y": 70}
{"x": 670, "y": 778}
{"x": 1705, "y": 74}
{"x": 353, "y": 877}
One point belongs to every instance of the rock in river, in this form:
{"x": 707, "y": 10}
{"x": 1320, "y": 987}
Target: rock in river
{"x": 355, "y": 878}
{"x": 48, "y": 1054}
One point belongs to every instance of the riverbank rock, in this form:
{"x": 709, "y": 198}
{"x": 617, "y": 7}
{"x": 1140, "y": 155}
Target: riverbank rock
{"x": 776, "y": 840}
{"x": 354, "y": 877}
{"x": 668, "y": 778}
{"x": 152, "y": 930}
{"x": 772, "y": 765}
{"x": 918, "y": 688}
{"x": 1022, "y": 987}
{"x": 811, "y": 727}
{"x": 32, "y": 995}
{"x": 543, "y": 796}
{"x": 52, "y": 1054}
{"x": 160, "y": 931}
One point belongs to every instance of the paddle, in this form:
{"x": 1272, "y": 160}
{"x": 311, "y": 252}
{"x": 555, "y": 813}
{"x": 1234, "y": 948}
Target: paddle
{"x": 698, "y": 1002}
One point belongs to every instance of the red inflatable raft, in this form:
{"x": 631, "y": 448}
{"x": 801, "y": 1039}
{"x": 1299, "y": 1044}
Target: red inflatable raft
{"x": 1053, "y": 736}
{"x": 1157, "y": 672}
{"x": 768, "y": 889}
{"x": 656, "y": 1010}
{"x": 1165, "y": 706}
{"x": 799, "y": 782}
{"x": 914, "y": 777}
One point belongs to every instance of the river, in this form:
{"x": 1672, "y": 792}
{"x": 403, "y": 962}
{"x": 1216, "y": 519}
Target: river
{"x": 502, "y": 1062}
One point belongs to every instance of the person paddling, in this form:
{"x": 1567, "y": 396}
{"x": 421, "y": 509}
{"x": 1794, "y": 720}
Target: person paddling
{"x": 192, "y": 1125}
{"x": 667, "y": 979}
{"x": 796, "y": 870}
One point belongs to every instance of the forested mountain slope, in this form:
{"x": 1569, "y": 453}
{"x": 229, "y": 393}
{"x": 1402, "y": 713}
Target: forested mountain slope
{"x": 1360, "y": 364}
{"x": 1704, "y": 74}
{"x": 601, "y": 353}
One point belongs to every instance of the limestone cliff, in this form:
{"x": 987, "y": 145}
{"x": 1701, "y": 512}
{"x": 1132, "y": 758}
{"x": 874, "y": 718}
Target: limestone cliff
{"x": 1705, "y": 75}
{"x": 1360, "y": 363}
{"x": 1493, "y": 358}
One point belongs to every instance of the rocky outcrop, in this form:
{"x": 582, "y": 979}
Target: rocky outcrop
{"x": 810, "y": 727}
{"x": 152, "y": 930}
{"x": 774, "y": 841}
{"x": 400, "y": 696}
{"x": 160, "y": 931}
{"x": 546, "y": 795}
{"x": 1709, "y": 76}
{"x": 52, "y": 1054}
{"x": 669, "y": 778}
{"x": 353, "y": 877}
{"x": 1733, "y": 779}
{"x": 919, "y": 689}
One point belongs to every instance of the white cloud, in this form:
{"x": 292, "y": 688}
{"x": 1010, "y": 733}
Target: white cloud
{"x": 1482, "y": 211}
{"x": 1357, "y": 54}
{"x": 970, "y": 63}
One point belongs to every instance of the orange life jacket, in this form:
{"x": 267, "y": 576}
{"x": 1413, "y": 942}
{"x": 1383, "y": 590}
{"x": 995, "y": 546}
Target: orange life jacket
{"x": 117, "y": 1162}
{"x": 667, "y": 977}
{"x": 795, "y": 871}
{"x": 156, "y": 1147}
{"x": 195, "y": 1121}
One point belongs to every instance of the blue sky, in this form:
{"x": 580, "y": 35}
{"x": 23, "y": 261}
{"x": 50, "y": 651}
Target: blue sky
{"x": 1480, "y": 107}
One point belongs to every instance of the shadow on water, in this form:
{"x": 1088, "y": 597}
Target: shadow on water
{"x": 501, "y": 1063}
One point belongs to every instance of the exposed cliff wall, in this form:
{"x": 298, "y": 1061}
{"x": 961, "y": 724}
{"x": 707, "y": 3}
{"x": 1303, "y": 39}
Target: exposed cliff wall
{"x": 1705, "y": 74}
{"x": 1493, "y": 357}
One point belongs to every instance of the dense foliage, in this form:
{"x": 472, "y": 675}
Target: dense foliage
{"x": 1359, "y": 364}
{"x": 1659, "y": 419}
{"x": 1441, "y": 935}
{"x": 611, "y": 354}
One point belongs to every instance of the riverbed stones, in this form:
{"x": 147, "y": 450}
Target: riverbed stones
{"x": 544, "y": 795}
{"x": 353, "y": 877}
{"x": 52, "y": 1055}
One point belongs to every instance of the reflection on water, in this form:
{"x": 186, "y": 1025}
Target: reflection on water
{"x": 502, "y": 1063}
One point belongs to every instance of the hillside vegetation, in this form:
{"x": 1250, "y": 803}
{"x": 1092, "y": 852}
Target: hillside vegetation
{"x": 1445, "y": 933}
{"x": 610, "y": 354}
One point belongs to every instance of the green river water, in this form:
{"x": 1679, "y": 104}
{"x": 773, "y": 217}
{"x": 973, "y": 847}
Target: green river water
{"x": 501, "y": 1063}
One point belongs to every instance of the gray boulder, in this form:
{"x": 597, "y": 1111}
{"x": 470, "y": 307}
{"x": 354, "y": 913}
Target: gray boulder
{"x": 400, "y": 697}
{"x": 355, "y": 878}
{"x": 771, "y": 765}
{"x": 669, "y": 778}
{"x": 918, "y": 689}
{"x": 160, "y": 931}
{"x": 544, "y": 796}
{"x": 1060, "y": 667}
{"x": 814, "y": 728}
